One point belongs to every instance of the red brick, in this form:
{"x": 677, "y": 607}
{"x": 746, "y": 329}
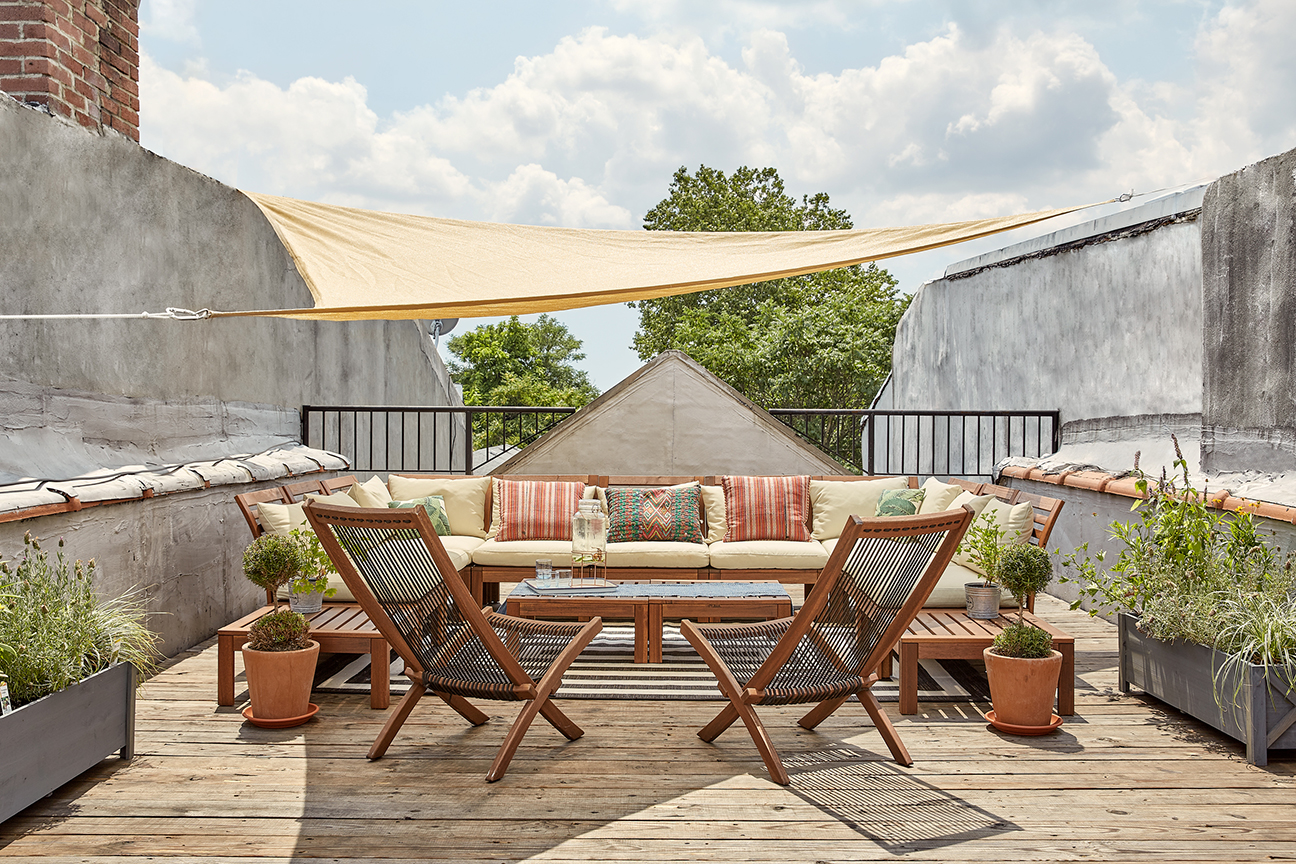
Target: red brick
{"x": 27, "y": 84}
{"x": 21, "y": 13}
{"x": 58, "y": 7}
{"x": 129, "y": 54}
{"x": 86, "y": 120}
{"x": 129, "y": 116}
{"x": 10, "y": 30}
{"x": 96, "y": 14}
{"x": 75, "y": 102}
{"x": 26, "y": 48}
{"x": 10, "y": 66}
{"x": 97, "y": 81}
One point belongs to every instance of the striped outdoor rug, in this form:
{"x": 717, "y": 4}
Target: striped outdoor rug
{"x": 605, "y": 670}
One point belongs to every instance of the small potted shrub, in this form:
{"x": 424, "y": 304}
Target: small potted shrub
{"x": 1022, "y": 666}
{"x": 985, "y": 548}
{"x": 71, "y": 662}
{"x": 307, "y": 590}
{"x": 279, "y": 655}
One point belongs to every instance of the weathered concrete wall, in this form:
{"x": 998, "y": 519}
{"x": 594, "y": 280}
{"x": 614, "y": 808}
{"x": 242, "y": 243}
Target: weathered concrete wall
{"x": 93, "y": 223}
{"x": 1110, "y": 329}
{"x": 1249, "y": 337}
{"x": 672, "y": 417}
{"x": 185, "y": 550}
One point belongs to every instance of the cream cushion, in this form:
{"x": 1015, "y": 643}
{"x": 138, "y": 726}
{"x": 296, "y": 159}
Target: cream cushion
{"x": 522, "y": 553}
{"x": 938, "y": 496}
{"x": 371, "y": 493}
{"x": 768, "y": 555}
{"x": 597, "y": 493}
{"x": 280, "y": 518}
{"x": 833, "y": 501}
{"x": 337, "y": 499}
{"x": 713, "y": 504}
{"x": 1016, "y": 521}
{"x": 657, "y": 553}
{"x": 465, "y": 499}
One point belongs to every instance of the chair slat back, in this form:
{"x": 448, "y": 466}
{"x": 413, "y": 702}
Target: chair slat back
{"x": 879, "y": 576}
{"x": 297, "y": 490}
{"x": 247, "y": 503}
{"x": 399, "y": 572}
{"x": 337, "y": 484}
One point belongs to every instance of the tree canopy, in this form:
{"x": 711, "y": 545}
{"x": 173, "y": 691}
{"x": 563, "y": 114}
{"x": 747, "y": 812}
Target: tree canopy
{"x": 515, "y": 363}
{"x": 822, "y": 340}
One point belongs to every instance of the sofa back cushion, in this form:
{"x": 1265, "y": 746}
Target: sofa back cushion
{"x": 713, "y": 505}
{"x": 766, "y": 508}
{"x": 465, "y": 499}
{"x": 669, "y": 513}
{"x": 535, "y": 509}
{"x": 835, "y": 500}
{"x": 434, "y": 507}
{"x": 371, "y": 493}
{"x": 938, "y": 496}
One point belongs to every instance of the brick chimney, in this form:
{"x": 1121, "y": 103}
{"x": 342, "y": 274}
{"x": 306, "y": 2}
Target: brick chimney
{"x": 78, "y": 58}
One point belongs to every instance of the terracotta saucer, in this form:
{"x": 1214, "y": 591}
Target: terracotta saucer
{"x": 1022, "y": 730}
{"x": 280, "y": 723}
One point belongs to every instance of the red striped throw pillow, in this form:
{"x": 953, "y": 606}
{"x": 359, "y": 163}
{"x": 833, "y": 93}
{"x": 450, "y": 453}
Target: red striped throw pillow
{"x": 536, "y": 509}
{"x": 766, "y": 508}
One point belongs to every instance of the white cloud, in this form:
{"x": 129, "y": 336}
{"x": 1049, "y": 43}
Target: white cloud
{"x": 172, "y": 20}
{"x": 588, "y": 134}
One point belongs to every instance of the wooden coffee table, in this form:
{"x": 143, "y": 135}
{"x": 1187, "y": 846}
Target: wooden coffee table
{"x": 650, "y": 604}
{"x": 339, "y": 628}
{"x": 949, "y": 634}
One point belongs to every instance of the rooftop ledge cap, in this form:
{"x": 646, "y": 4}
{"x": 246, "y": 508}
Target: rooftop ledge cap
{"x": 1098, "y": 481}
{"x": 27, "y": 500}
{"x": 1171, "y": 202}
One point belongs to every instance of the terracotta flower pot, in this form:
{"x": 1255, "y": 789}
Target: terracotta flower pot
{"x": 1022, "y": 689}
{"x": 279, "y": 683}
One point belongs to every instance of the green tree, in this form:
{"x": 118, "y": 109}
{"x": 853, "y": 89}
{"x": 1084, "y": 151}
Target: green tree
{"x": 515, "y": 363}
{"x": 822, "y": 340}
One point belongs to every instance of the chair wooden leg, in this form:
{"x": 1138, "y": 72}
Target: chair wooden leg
{"x": 396, "y": 720}
{"x": 722, "y": 721}
{"x": 466, "y": 709}
{"x": 884, "y": 726}
{"x": 773, "y": 762}
{"x": 822, "y": 712}
{"x": 514, "y": 737}
{"x": 560, "y": 721}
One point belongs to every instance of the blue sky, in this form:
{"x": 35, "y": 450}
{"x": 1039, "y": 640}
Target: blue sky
{"x": 577, "y": 113}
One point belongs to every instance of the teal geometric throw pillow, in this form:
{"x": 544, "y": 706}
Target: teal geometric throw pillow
{"x": 899, "y": 502}
{"x": 434, "y": 506}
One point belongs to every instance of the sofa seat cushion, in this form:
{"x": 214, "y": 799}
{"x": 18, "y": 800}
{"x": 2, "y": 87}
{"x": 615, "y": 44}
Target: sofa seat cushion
{"x": 948, "y": 593}
{"x": 522, "y": 553}
{"x": 768, "y": 555}
{"x": 657, "y": 553}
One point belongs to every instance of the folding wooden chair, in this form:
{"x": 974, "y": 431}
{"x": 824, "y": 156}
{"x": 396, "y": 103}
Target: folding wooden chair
{"x": 399, "y": 573}
{"x": 879, "y": 575}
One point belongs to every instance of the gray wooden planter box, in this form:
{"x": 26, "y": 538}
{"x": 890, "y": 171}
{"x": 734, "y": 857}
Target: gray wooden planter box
{"x": 1262, "y": 714}
{"x": 46, "y": 743}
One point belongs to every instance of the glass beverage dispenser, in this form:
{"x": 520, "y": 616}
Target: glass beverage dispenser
{"x": 589, "y": 541}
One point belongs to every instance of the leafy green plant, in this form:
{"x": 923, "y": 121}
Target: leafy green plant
{"x": 985, "y": 547}
{"x": 272, "y": 561}
{"x": 1024, "y": 570}
{"x": 57, "y": 631}
{"x": 1192, "y": 572}
{"x": 281, "y": 630}
{"x": 316, "y": 564}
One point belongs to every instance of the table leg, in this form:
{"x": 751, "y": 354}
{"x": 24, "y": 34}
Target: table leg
{"x": 884, "y": 668}
{"x": 655, "y": 630}
{"x": 908, "y": 677}
{"x": 225, "y": 669}
{"x": 645, "y": 641}
{"x": 1066, "y": 680}
{"x": 379, "y": 674}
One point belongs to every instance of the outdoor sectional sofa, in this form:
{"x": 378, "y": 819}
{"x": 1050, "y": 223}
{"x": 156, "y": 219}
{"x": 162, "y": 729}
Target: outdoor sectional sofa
{"x": 485, "y": 561}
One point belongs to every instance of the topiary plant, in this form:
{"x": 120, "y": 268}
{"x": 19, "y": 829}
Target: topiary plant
{"x": 1024, "y": 570}
{"x": 281, "y": 630}
{"x": 272, "y": 561}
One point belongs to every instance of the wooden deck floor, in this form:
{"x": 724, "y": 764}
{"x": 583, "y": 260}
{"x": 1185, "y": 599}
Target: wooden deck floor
{"x": 1126, "y": 779}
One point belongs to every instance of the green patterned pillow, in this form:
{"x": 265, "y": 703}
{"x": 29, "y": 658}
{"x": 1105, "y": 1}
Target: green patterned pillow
{"x": 670, "y": 513}
{"x": 899, "y": 502}
{"x": 434, "y": 505}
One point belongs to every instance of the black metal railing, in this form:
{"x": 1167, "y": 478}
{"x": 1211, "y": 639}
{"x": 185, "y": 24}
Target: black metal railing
{"x": 925, "y": 443}
{"x": 441, "y": 439}
{"x": 469, "y": 438}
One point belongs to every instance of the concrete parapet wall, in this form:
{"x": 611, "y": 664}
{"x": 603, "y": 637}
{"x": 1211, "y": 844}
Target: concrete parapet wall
{"x": 1249, "y": 337}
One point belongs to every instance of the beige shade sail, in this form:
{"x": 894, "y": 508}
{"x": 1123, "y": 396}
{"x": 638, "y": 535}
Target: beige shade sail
{"x": 366, "y": 264}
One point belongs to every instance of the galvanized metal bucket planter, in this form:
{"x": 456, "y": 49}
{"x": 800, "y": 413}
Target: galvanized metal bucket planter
{"x": 46, "y": 743}
{"x": 1254, "y": 706}
{"x": 982, "y": 600}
